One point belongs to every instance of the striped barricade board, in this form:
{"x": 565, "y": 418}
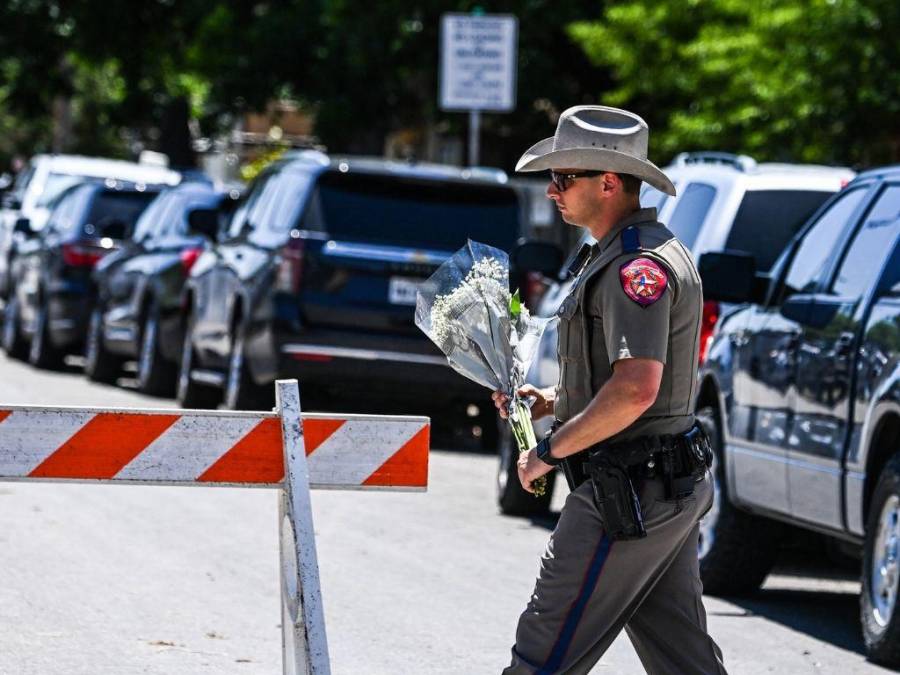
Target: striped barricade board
{"x": 210, "y": 447}
{"x": 285, "y": 449}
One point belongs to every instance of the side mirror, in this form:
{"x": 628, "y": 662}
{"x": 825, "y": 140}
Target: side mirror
{"x": 537, "y": 256}
{"x": 729, "y": 276}
{"x": 204, "y": 222}
{"x": 23, "y": 226}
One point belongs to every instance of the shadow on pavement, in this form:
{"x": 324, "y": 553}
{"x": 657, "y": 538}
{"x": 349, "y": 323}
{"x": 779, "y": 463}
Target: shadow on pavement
{"x": 830, "y": 616}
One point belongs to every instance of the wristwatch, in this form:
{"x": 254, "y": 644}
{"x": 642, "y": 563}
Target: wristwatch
{"x": 542, "y": 450}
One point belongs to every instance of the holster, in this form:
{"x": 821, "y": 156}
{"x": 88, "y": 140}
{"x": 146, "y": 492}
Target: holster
{"x": 616, "y": 498}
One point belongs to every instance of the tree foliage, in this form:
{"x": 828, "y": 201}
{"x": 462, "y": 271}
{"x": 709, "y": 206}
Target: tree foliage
{"x": 799, "y": 80}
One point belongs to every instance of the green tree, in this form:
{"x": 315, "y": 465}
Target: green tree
{"x": 800, "y": 80}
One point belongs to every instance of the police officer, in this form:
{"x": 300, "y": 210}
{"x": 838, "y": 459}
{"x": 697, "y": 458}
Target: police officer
{"x": 624, "y": 552}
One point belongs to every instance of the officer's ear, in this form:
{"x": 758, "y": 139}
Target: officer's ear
{"x": 610, "y": 184}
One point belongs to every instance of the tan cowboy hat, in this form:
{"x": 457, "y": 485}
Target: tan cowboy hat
{"x": 595, "y": 137}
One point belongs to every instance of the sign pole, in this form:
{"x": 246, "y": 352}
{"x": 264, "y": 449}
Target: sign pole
{"x": 474, "y": 136}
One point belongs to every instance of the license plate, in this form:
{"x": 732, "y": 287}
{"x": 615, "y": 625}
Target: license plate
{"x": 402, "y": 291}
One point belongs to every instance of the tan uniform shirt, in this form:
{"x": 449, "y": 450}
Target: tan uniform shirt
{"x": 642, "y": 304}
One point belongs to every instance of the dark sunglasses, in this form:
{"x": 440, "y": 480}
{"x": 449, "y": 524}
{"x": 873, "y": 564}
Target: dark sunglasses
{"x": 563, "y": 181}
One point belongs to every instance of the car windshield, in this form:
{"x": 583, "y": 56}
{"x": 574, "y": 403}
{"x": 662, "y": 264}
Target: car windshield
{"x": 768, "y": 219}
{"x": 405, "y": 212}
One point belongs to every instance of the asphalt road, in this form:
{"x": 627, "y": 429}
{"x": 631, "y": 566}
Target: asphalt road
{"x": 99, "y": 580}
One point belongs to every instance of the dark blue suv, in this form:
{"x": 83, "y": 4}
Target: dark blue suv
{"x": 316, "y": 278}
{"x": 801, "y": 395}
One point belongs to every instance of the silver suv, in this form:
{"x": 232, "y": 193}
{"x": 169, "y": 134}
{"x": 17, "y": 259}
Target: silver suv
{"x": 724, "y": 202}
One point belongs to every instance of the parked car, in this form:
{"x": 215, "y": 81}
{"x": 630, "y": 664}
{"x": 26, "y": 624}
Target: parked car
{"x": 316, "y": 278}
{"x": 137, "y": 314}
{"x": 724, "y": 201}
{"x": 52, "y": 292}
{"x": 801, "y": 394}
{"x": 45, "y": 178}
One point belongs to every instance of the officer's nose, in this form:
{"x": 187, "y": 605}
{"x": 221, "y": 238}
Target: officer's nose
{"x": 553, "y": 192}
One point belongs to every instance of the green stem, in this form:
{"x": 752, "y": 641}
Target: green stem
{"x": 523, "y": 433}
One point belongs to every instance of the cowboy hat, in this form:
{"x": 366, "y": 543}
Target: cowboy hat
{"x": 595, "y": 137}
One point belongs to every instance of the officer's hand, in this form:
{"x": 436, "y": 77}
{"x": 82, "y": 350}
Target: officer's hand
{"x": 543, "y": 404}
{"x": 530, "y": 469}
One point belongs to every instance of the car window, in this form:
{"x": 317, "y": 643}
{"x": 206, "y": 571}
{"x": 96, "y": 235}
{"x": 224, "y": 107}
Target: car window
{"x": 768, "y": 219}
{"x": 870, "y": 248}
{"x": 151, "y": 219}
{"x": 651, "y": 198}
{"x": 411, "y": 212}
{"x": 288, "y": 201}
{"x": 56, "y": 184}
{"x": 249, "y": 205}
{"x": 21, "y": 185}
{"x": 690, "y": 212}
{"x": 808, "y": 264}
{"x": 110, "y": 207}
{"x": 62, "y": 216}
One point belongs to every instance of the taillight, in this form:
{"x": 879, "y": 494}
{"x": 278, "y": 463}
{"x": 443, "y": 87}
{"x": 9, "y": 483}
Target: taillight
{"x": 707, "y": 326}
{"x": 290, "y": 269}
{"x": 188, "y": 257}
{"x": 534, "y": 289}
{"x": 80, "y": 255}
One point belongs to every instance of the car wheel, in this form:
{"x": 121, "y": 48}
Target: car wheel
{"x": 99, "y": 364}
{"x": 190, "y": 393}
{"x": 241, "y": 392}
{"x": 155, "y": 375}
{"x": 736, "y": 549}
{"x": 14, "y": 343}
{"x": 880, "y": 617}
{"x": 41, "y": 353}
{"x": 511, "y": 498}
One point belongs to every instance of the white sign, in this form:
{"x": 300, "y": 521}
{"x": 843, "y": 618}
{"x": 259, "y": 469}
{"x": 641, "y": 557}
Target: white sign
{"x": 478, "y": 62}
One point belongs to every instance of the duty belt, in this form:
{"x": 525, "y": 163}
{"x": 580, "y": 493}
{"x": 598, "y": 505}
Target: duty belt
{"x": 678, "y": 458}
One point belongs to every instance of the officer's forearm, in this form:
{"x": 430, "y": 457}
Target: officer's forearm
{"x": 615, "y": 407}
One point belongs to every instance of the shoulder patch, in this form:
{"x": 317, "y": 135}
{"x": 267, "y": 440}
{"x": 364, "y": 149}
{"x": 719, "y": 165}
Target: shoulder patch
{"x": 643, "y": 280}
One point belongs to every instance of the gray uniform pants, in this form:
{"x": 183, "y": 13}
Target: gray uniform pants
{"x": 590, "y": 588}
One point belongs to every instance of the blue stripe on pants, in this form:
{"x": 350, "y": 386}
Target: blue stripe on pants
{"x": 574, "y": 616}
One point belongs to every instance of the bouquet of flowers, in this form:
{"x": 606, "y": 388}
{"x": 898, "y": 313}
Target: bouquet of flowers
{"x": 485, "y": 331}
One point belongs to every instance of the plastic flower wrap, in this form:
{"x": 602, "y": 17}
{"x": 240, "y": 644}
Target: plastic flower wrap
{"x": 467, "y": 310}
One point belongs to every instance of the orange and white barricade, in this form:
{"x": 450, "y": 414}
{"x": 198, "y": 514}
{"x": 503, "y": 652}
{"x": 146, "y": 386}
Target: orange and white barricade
{"x": 280, "y": 449}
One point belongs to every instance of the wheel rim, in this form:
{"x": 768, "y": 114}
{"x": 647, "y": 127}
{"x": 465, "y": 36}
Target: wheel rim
{"x": 184, "y": 373}
{"x": 37, "y": 340}
{"x": 10, "y": 325}
{"x": 93, "y": 343}
{"x": 235, "y": 368}
{"x": 148, "y": 351}
{"x": 885, "y": 567}
{"x": 711, "y": 519}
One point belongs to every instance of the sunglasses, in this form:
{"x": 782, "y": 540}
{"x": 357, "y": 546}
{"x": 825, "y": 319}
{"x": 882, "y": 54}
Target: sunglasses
{"x": 563, "y": 181}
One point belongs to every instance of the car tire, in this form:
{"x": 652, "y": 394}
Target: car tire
{"x": 190, "y": 393}
{"x": 155, "y": 375}
{"x": 879, "y": 614}
{"x": 14, "y": 343}
{"x": 737, "y": 550}
{"x": 41, "y": 352}
{"x": 241, "y": 392}
{"x": 512, "y": 499}
{"x": 99, "y": 364}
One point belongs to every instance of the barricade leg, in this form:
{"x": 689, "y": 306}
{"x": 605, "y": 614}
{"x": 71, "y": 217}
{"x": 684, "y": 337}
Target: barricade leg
{"x": 304, "y": 643}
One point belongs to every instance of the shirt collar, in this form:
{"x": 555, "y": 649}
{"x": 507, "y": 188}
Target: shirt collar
{"x": 640, "y": 216}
